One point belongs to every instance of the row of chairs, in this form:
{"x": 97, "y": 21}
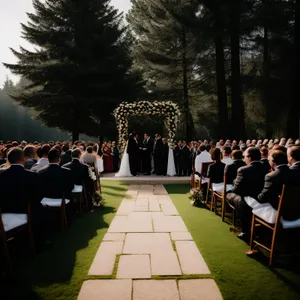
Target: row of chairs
{"x": 13, "y": 224}
{"x": 288, "y": 209}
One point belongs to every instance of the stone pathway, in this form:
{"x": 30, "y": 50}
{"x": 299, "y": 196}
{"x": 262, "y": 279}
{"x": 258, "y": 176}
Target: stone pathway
{"x": 148, "y": 238}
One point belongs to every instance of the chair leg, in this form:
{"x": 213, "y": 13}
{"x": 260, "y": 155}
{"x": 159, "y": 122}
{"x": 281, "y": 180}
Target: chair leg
{"x": 223, "y": 208}
{"x": 31, "y": 238}
{"x": 252, "y": 232}
{"x": 5, "y": 248}
{"x": 272, "y": 247}
{"x": 233, "y": 218}
{"x": 207, "y": 195}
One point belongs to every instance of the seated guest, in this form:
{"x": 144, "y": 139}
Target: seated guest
{"x": 297, "y": 143}
{"x": 231, "y": 170}
{"x": 203, "y": 157}
{"x": 294, "y": 162}
{"x": 216, "y": 170}
{"x": 264, "y": 151}
{"x": 43, "y": 162}
{"x": 67, "y": 155}
{"x": 55, "y": 181}
{"x": 249, "y": 182}
{"x": 226, "y": 156}
{"x": 17, "y": 185}
{"x": 30, "y": 156}
{"x": 276, "y": 179}
{"x": 89, "y": 158}
{"x": 280, "y": 148}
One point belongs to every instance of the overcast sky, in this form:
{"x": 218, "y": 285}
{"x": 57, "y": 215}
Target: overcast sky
{"x": 12, "y": 13}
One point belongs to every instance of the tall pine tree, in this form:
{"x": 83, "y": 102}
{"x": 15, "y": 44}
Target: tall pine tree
{"x": 79, "y": 69}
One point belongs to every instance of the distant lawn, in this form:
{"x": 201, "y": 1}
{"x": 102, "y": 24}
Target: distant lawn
{"x": 238, "y": 276}
{"x": 58, "y": 273}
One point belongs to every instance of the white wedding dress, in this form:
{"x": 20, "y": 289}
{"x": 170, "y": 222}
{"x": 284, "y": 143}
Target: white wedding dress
{"x": 124, "y": 167}
{"x": 171, "y": 171}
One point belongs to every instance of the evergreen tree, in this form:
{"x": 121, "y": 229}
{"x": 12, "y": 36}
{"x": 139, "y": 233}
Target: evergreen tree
{"x": 165, "y": 50}
{"x": 79, "y": 70}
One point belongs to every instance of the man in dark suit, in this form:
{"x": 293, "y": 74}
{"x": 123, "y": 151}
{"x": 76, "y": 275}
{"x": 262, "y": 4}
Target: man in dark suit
{"x": 17, "y": 185}
{"x": 116, "y": 157}
{"x": 264, "y": 151}
{"x": 158, "y": 155}
{"x": 276, "y": 179}
{"x": 133, "y": 152}
{"x": 165, "y": 156}
{"x": 147, "y": 150}
{"x": 55, "y": 181}
{"x": 80, "y": 174}
{"x": 249, "y": 182}
{"x": 185, "y": 160}
{"x": 231, "y": 170}
{"x": 293, "y": 154}
{"x": 67, "y": 156}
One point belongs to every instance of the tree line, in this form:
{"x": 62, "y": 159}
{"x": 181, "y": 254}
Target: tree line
{"x": 231, "y": 65}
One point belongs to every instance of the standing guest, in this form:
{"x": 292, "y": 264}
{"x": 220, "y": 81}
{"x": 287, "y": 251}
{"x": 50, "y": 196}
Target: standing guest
{"x": 90, "y": 159}
{"x": 146, "y": 153}
{"x": 108, "y": 160}
{"x": 231, "y": 170}
{"x": 165, "y": 157}
{"x": 158, "y": 155}
{"x": 116, "y": 156}
{"x": 30, "y": 156}
{"x": 43, "y": 162}
{"x": 264, "y": 151}
{"x": 67, "y": 154}
{"x": 226, "y": 155}
{"x": 177, "y": 157}
{"x": 133, "y": 152}
{"x": 185, "y": 160}
{"x": 249, "y": 182}
{"x": 97, "y": 151}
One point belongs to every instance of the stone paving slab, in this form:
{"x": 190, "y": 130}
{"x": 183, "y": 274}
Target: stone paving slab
{"x": 168, "y": 224}
{"x": 154, "y": 205}
{"x": 165, "y": 263}
{"x": 181, "y": 236}
{"x": 126, "y": 207}
{"x": 105, "y": 258}
{"x": 169, "y": 209}
{"x": 155, "y": 290}
{"x": 114, "y": 237}
{"x": 134, "y": 222}
{"x": 106, "y": 290}
{"x": 191, "y": 261}
{"x": 195, "y": 289}
{"x": 134, "y": 266}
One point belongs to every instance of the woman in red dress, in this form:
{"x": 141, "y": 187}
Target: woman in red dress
{"x": 108, "y": 160}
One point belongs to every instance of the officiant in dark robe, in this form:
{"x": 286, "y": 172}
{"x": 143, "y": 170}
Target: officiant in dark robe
{"x": 146, "y": 153}
{"x": 158, "y": 155}
{"x": 133, "y": 150}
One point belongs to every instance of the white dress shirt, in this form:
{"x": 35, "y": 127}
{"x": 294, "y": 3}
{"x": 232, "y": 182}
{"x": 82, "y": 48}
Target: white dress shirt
{"x": 227, "y": 161}
{"x": 203, "y": 157}
{"x": 42, "y": 163}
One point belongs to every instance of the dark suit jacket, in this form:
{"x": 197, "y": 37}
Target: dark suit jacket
{"x": 66, "y": 158}
{"x": 231, "y": 170}
{"x": 294, "y": 177}
{"x": 216, "y": 172}
{"x": 55, "y": 181}
{"x": 266, "y": 164}
{"x": 250, "y": 180}
{"x": 273, "y": 185}
{"x": 159, "y": 148}
{"x": 80, "y": 171}
{"x": 29, "y": 163}
{"x": 18, "y": 186}
{"x": 149, "y": 145}
{"x": 133, "y": 147}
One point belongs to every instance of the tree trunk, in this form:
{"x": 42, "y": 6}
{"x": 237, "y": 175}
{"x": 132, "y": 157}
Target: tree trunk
{"x": 293, "y": 116}
{"x": 223, "y": 123}
{"x": 189, "y": 123}
{"x": 75, "y": 136}
{"x": 237, "y": 102}
{"x": 266, "y": 98}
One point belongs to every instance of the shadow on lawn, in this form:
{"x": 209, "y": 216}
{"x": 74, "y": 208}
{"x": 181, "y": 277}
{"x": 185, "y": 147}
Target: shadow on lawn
{"x": 56, "y": 264}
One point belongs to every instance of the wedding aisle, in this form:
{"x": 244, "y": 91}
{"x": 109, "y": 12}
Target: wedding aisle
{"x": 146, "y": 244}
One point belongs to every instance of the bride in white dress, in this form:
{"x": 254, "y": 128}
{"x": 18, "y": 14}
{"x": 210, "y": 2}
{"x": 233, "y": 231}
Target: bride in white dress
{"x": 124, "y": 167}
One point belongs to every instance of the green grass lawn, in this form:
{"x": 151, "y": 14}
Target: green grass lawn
{"x": 58, "y": 273}
{"x": 238, "y": 276}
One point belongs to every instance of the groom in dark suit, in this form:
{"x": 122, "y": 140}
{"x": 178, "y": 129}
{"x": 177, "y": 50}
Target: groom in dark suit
{"x": 147, "y": 150}
{"x": 133, "y": 152}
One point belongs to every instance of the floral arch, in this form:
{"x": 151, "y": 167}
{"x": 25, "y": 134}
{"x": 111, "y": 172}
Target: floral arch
{"x": 166, "y": 109}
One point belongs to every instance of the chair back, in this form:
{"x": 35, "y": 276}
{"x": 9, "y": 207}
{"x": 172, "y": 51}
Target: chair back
{"x": 204, "y": 168}
{"x": 289, "y": 203}
{"x": 193, "y": 178}
{"x": 225, "y": 183}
